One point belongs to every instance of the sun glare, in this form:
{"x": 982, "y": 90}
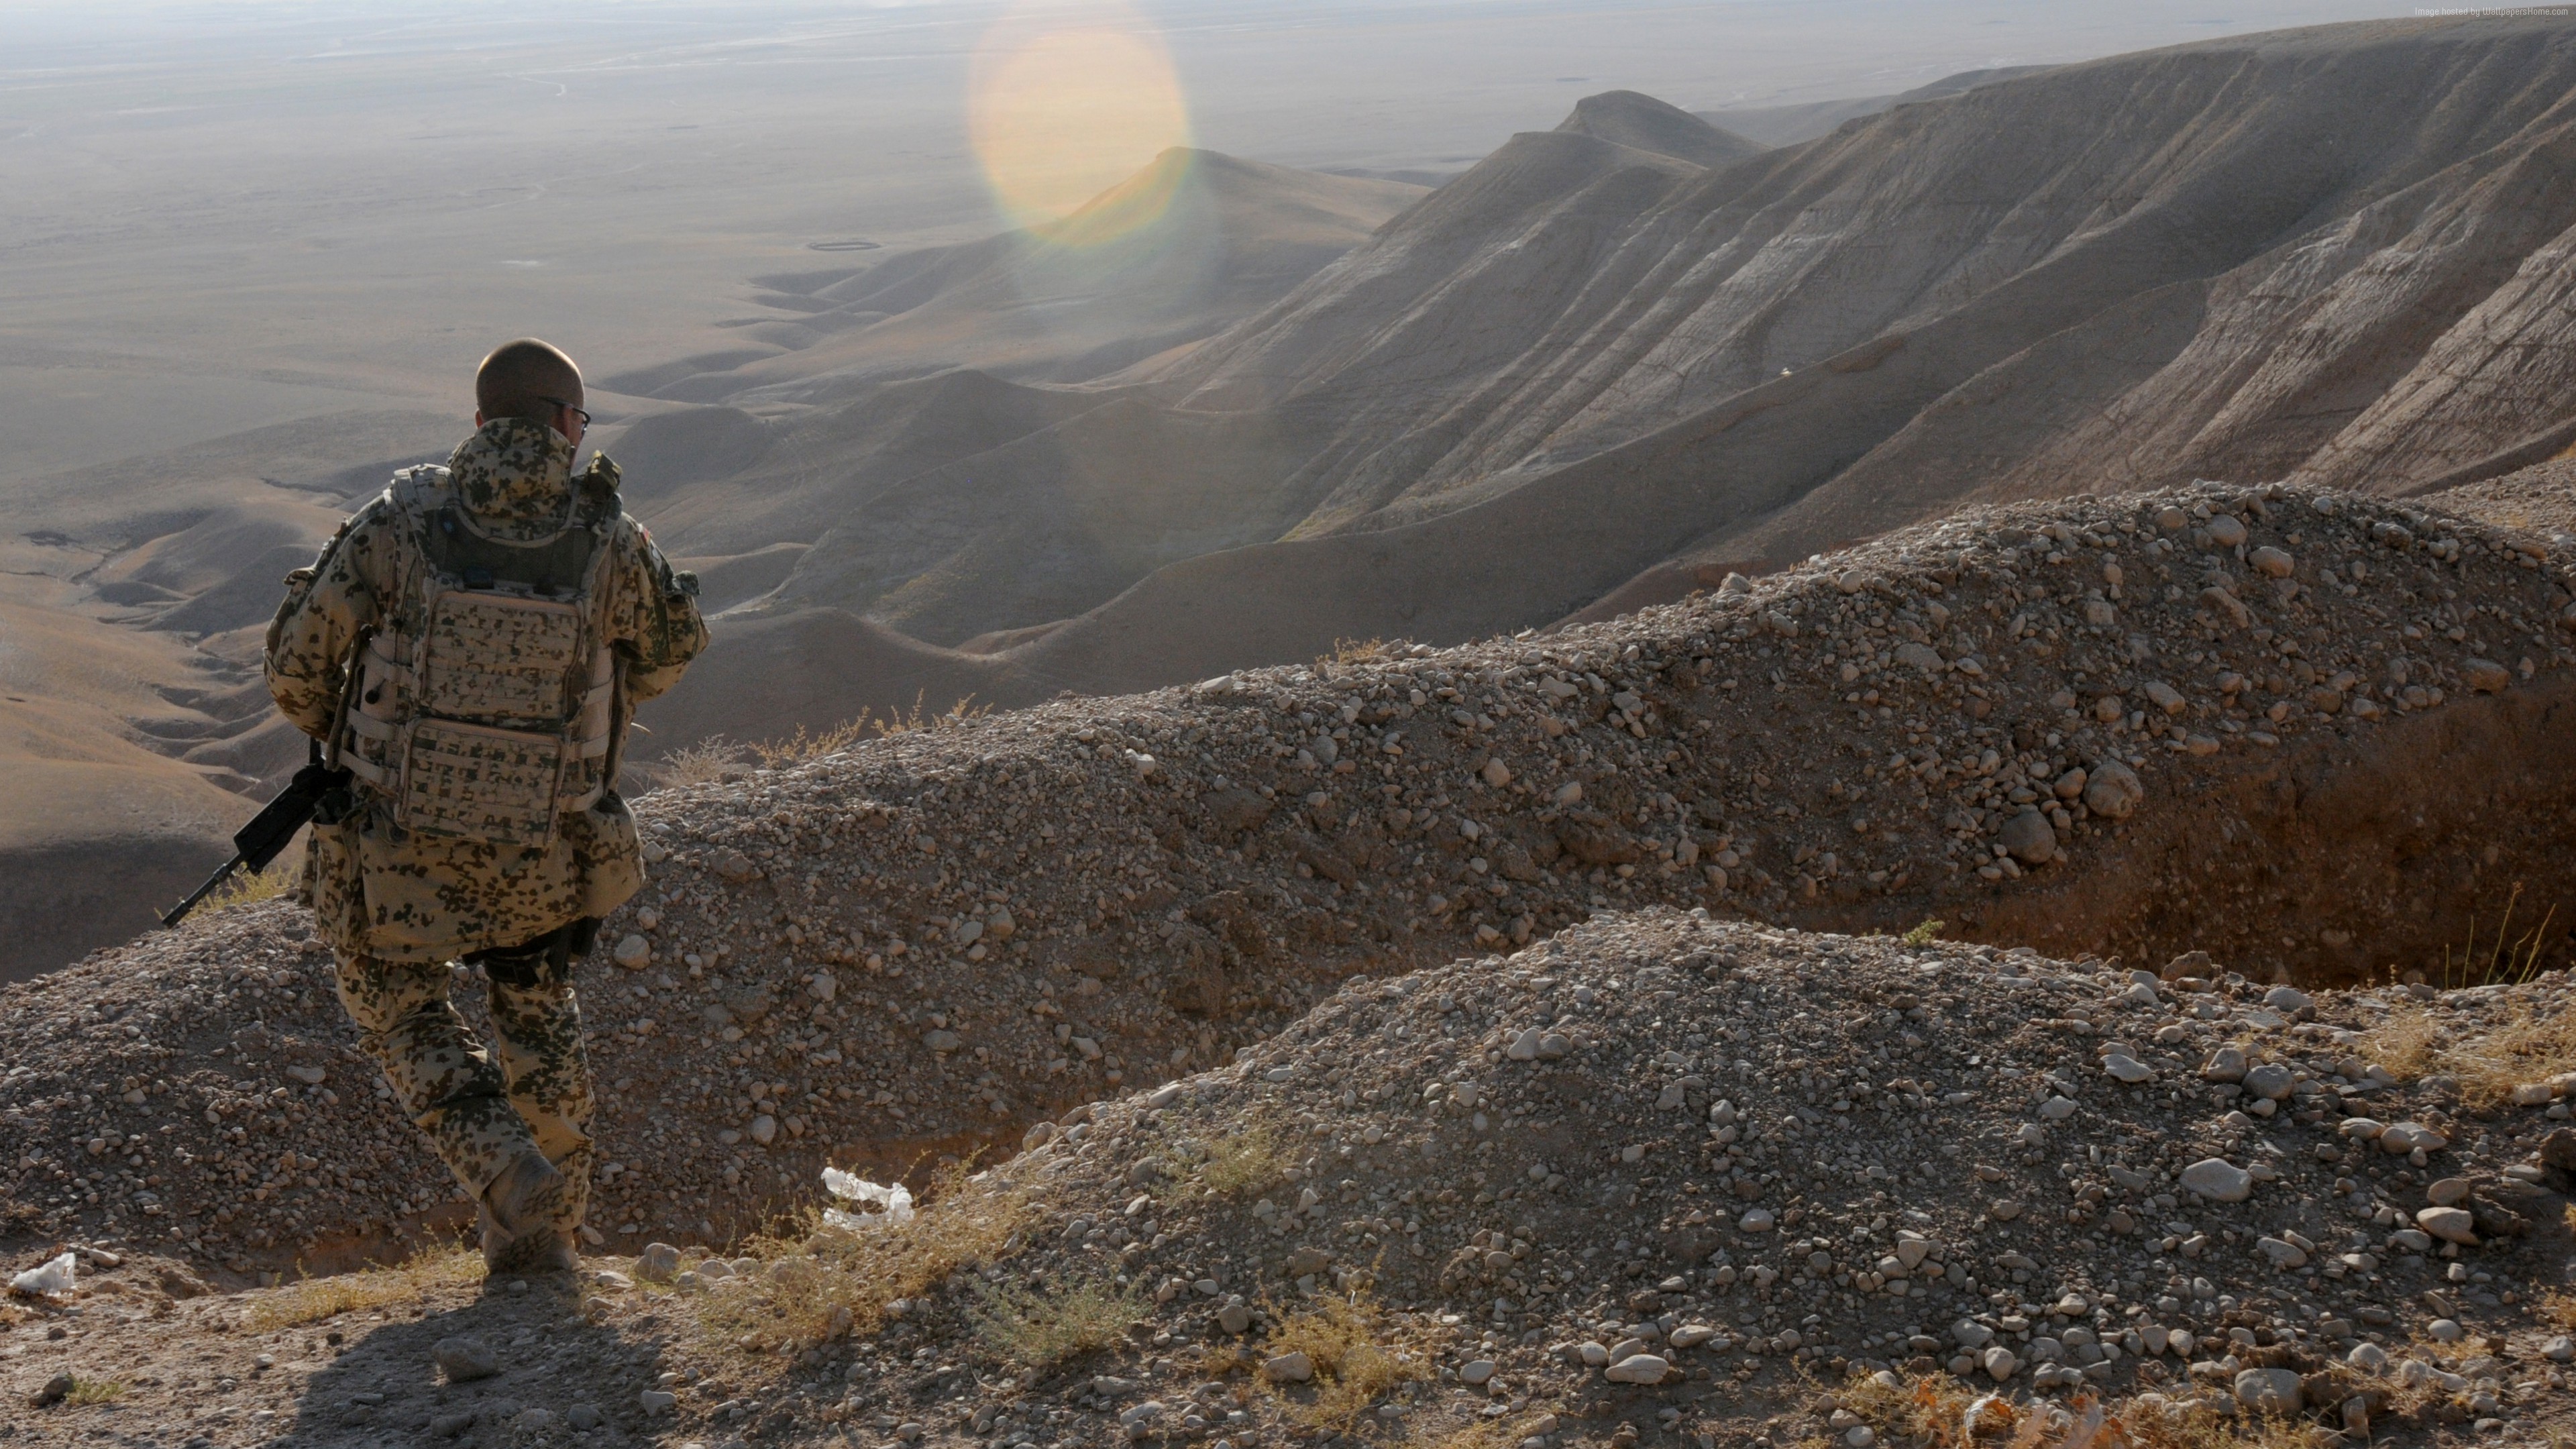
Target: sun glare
{"x": 1067, "y": 100}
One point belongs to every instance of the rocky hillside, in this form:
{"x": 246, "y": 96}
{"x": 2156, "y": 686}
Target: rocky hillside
{"x": 2137, "y": 727}
{"x": 1660, "y": 1178}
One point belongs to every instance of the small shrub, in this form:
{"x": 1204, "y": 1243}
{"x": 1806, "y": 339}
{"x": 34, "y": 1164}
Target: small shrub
{"x": 830, "y": 1280}
{"x": 1242, "y": 1162}
{"x": 801, "y": 746}
{"x": 310, "y": 1300}
{"x": 2525, "y": 1046}
{"x": 1924, "y": 934}
{"x": 1358, "y": 651}
{"x": 1037, "y": 1330}
{"x": 703, "y": 763}
{"x": 1353, "y": 1367}
{"x": 246, "y": 887}
{"x": 96, "y": 1391}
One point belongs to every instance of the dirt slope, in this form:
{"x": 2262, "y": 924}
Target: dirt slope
{"x": 906, "y": 946}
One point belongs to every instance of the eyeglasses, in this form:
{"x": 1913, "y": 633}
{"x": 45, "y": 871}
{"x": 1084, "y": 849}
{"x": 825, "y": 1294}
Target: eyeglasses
{"x": 568, "y": 407}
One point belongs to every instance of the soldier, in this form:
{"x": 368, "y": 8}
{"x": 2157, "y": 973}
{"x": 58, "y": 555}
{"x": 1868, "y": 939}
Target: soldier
{"x": 470, "y": 647}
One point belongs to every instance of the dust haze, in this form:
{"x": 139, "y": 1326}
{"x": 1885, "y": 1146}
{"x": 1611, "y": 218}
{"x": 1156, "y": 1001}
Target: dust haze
{"x": 908, "y": 374}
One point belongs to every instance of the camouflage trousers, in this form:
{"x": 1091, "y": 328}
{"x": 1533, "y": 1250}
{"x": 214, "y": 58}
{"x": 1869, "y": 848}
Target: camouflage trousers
{"x": 480, "y": 1108}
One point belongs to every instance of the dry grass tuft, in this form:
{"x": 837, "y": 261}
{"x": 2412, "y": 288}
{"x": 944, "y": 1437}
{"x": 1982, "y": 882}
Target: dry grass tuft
{"x": 96, "y": 1391}
{"x": 1358, "y": 651}
{"x": 282, "y": 875}
{"x": 1241, "y": 1162}
{"x": 2406, "y": 1041}
{"x": 1038, "y": 1330}
{"x": 832, "y": 1280}
{"x": 1481, "y": 1433}
{"x": 1924, "y": 933}
{"x": 1357, "y": 1358}
{"x": 1941, "y": 1411}
{"x": 2526, "y": 1046}
{"x": 703, "y": 763}
{"x": 310, "y": 1300}
{"x": 801, "y": 746}
{"x": 2557, "y": 1308}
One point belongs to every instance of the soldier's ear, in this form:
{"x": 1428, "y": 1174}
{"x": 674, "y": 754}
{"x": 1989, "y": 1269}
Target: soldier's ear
{"x": 478, "y": 417}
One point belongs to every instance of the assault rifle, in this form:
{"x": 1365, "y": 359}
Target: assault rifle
{"x": 258, "y": 843}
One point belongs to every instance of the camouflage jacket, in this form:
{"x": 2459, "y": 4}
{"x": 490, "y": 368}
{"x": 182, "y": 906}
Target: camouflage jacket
{"x": 382, "y": 891}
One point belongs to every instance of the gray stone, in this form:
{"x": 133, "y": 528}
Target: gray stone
{"x": 2270, "y": 1081}
{"x": 2227, "y": 1064}
{"x": 2124, "y": 1068}
{"x": 463, "y": 1359}
{"x": 1234, "y": 1318}
{"x": 655, "y": 1401}
{"x": 658, "y": 1263}
{"x": 585, "y": 1417}
{"x": 2270, "y": 1390}
{"x": 1288, "y": 1368}
{"x": 2282, "y": 1253}
{"x": 2450, "y": 1224}
{"x": 1999, "y": 1363}
{"x": 2218, "y": 1180}
{"x": 2112, "y": 791}
{"x": 1638, "y": 1368}
{"x": 2029, "y": 838}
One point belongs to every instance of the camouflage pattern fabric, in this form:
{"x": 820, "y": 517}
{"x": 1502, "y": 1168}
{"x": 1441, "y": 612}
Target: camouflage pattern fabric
{"x": 383, "y": 893}
{"x": 477, "y": 1114}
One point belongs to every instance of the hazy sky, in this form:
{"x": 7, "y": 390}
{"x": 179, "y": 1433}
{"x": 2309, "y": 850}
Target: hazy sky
{"x": 221, "y": 214}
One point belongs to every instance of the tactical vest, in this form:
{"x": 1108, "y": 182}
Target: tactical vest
{"x": 484, "y": 710}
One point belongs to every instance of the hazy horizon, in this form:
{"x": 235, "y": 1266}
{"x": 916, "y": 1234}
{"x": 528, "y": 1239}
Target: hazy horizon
{"x": 227, "y": 215}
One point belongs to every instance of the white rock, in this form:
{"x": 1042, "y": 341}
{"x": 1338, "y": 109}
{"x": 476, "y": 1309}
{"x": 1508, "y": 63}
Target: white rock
{"x": 2057, "y": 1109}
{"x": 2270, "y": 1390}
{"x": 1476, "y": 1371}
{"x": 2127, "y": 1069}
{"x": 2370, "y": 1358}
{"x": 1999, "y": 1363}
{"x": 55, "y": 1275}
{"x": 2450, "y": 1224}
{"x": 2559, "y": 1350}
{"x": 2112, "y": 790}
{"x": 1759, "y": 1220}
{"x": 1288, "y": 1368}
{"x": 1638, "y": 1368}
{"x": 2283, "y": 1254}
{"x": 633, "y": 952}
{"x": 2218, "y": 1180}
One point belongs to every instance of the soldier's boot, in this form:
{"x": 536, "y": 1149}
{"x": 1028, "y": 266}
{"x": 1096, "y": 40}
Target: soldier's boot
{"x": 523, "y": 1212}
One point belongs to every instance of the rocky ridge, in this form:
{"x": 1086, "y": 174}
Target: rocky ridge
{"x": 2074, "y": 725}
{"x": 1661, "y": 1178}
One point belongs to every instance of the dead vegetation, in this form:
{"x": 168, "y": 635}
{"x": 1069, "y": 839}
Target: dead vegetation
{"x": 310, "y": 1300}
{"x": 2527, "y": 1045}
{"x": 1944, "y": 1412}
{"x": 1242, "y": 1162}
{"x": 1037, "y": 1329}
{"x": 827, "y": 1281}
{"x": 1357, "y": 1356}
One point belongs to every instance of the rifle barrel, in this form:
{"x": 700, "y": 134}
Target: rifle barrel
{"x": 180, "y": 911}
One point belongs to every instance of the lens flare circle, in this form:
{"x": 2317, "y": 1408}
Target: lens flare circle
{"x": 1065, "y": 101}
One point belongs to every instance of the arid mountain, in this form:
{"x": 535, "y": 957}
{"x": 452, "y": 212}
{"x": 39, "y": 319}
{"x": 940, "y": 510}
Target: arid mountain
{"x": 1787, "y": 125}
{"x": 1579, "y": 372}
{"x": 1611, "y": 364}
{"x": 134, "y": 728}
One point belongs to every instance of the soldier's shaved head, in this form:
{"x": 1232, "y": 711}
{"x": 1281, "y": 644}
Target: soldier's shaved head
{"x": 526, "y": 379}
